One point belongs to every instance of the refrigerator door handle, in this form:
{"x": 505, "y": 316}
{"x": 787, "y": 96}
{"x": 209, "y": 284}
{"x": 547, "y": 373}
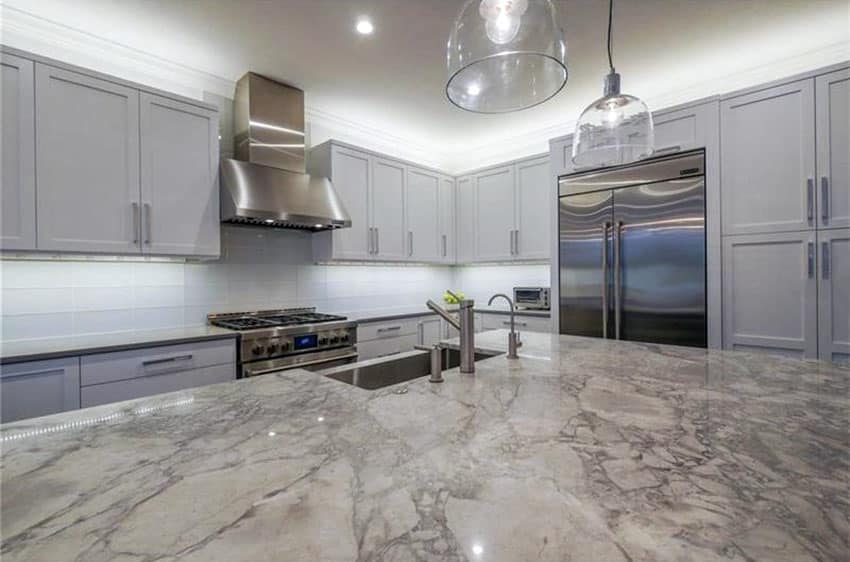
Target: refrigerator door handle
{"x": 605, "y": 279}
{"x": 618, "y": 284}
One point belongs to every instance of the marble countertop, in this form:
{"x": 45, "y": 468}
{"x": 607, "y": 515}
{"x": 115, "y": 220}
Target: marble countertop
{"x": 49, "y": 348}
{"x": 581, "y": 449}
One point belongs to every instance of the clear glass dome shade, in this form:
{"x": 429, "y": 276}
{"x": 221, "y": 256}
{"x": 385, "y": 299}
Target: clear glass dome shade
{"x": 613, "y": 130}
{"x": 505, "y": 55}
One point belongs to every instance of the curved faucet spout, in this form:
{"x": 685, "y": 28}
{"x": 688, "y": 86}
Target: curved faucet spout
{"x": 513, "y": 339}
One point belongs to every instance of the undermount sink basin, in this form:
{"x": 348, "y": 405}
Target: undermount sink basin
{"x": 379, "y": 373}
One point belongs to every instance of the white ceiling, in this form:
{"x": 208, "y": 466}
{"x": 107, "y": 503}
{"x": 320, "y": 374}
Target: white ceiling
{"x": 393, "y": 81}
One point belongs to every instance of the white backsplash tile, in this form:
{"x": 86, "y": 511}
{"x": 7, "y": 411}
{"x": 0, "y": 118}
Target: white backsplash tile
{"x": 258, "y": 269}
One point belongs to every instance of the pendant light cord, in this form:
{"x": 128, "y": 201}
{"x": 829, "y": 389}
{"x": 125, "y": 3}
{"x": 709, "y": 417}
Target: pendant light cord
{"x": 610, "y": 19}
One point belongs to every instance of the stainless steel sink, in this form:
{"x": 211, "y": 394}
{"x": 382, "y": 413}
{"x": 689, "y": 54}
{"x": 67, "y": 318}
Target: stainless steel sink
{"x": 378, "y": 373}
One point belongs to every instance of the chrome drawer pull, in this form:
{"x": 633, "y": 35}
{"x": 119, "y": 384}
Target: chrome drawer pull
{"x": 187, "y": 357}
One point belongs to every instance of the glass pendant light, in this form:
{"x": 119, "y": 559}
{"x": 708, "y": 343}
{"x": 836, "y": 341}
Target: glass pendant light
{"x": 505, "y": 55}
{"x": 615, "y": 129}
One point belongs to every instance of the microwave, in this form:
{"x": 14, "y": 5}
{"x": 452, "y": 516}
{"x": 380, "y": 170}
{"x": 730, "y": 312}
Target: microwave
{"x": 533, "y": 298}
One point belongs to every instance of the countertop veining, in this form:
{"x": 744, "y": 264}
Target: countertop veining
{"x": 581, "y": 449}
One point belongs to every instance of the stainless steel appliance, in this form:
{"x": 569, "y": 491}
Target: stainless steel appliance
{"x": 632, "y": 256}
{"x": 297, "y": 338}
{"x": 532, "y": 298}
{"x": 267, "y": 183}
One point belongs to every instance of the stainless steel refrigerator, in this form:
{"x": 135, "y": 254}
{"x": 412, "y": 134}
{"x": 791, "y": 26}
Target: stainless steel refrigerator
{"x": 632, "y": 252}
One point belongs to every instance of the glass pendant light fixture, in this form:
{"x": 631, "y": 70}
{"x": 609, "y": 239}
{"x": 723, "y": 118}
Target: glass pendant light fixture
{"x": 615, "y": 129}
{"x": 505, "y": 55}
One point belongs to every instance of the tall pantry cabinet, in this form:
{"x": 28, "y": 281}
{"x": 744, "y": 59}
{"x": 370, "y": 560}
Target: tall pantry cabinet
{"x": 785, "y": 191}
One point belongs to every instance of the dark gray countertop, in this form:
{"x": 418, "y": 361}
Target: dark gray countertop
{"x": 581, "y": 449}
{"x": 36, "y": 350}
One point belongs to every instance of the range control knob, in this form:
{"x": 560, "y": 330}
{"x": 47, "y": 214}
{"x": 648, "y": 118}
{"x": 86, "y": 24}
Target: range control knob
{"x": 284, "y": 346}
{"x": 258, "y": 350}
{"x": 273, "y": 349}
{"x": 334, "y": 340}
{"x": 323, "y": 341}
{"x": 345, "y": 338}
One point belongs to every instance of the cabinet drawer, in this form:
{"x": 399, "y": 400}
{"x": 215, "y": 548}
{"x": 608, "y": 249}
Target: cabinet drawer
{"x": 121, "y": 365}
{"x": 385, "y": 346}
{"x": 392, "y": 329}
{"x": 155, "y": 384}
{"x": 39, "y": 388}
{"x": 522, "y": 323}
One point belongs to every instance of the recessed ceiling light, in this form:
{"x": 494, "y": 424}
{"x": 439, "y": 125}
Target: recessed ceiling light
{"x": 473, "y": 89}
{"x": 365, "y": 27}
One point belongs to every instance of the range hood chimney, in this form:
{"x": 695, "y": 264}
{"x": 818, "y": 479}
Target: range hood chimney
{"x": 267, "y": 184}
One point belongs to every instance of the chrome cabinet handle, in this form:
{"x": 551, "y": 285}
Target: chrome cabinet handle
{"x": 811, "y": 260}
{"x": 187, "y": 357}
{"x": 511, "y": 241}
{"x": 824, "y": 194}
{"x": 516, "y": 242}
{"x": 377, "y": 241}
{"x": 810, "y": 199}
{"x": 824, "y": 256}
{"x": 369, "y": 242}
{"x": 389, "y": 329}
{"x": 6, "y": 376}
{"x": 445, "y": 251}
{"x": 605, "y": 228}
{"x": 146, "y": 209}
{"x": 617, "y": 278}
{"x": 409, "y": 242}
{"x": 516, "y": 323}
{"x": 136, "y": 222}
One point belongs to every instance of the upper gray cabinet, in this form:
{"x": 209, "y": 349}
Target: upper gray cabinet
{"x": 422, "y": 205}
{"x": 833, "y": 149}
{"x": 685, "y": 128}
{"x": 533, "y": 194}
{"x": 561, "y": 155}
{"x": 391, "y": 238}
{"x": 494, "y": 214}
{"x": 87, "y": 163}
{"x": 17, "y": 127}
{"x": 768, "y": 160}
{"x": 465, "y": 219}
{"x": 179, "y": 187}
{"x": 447, "y": 220}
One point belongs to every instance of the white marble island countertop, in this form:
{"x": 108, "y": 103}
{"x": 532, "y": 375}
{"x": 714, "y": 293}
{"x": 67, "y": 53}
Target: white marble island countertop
{"x": 580, "y": 450}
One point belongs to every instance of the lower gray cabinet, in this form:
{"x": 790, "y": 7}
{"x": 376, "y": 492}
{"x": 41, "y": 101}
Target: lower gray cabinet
{"x": 521, "y": 323}
{"x": 124, "y": 375}
{"x": 39, "y": 388}
{"x": 834, "y": 295}
{"x": 154, "y": 384}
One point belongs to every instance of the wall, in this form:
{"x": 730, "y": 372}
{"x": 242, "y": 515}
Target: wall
{"x": 480, "y": 282}
{"x": 259, "y": 269}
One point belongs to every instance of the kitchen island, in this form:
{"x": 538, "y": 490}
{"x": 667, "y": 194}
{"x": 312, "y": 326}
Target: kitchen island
{"x": 581, "y": 449}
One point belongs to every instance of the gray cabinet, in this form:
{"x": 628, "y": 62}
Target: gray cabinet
{"x": 430, "y": 330}
{"x": 770, "y": 293}
{"x": 494, "y": 214}
{"x": 179, "y": 182}
{"x": 834, "y": 295}
{"x": 522, "y": 323}
{"x": 422, "y": 215}
{"x": 123, "y": 375}
{"x": 17, "y": 127}
{"x": 465, "y": 219}
{"x": 561, "y": 155}
{"x": 87, "y": 163}
{"x": 833, "y": 149}
{"x": 685, "y": 128}
{"x": 387, "y": 210}
{"x": 39, "y": 388}
{"x": 768, "y": 160}
{"x": 447, "y": 241}
{"x": 533, "y": 204}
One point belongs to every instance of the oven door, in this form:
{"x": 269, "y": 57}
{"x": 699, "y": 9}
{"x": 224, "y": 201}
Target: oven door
{"x": 311, "y": 361}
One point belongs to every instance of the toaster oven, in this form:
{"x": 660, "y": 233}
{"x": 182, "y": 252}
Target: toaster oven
{"x": 531, "y": 298}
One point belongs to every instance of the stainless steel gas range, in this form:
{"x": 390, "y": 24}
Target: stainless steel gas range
{"x": 295, "y": 338}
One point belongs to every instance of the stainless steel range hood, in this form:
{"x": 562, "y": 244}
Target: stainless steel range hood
{"x": 267, "y": 184}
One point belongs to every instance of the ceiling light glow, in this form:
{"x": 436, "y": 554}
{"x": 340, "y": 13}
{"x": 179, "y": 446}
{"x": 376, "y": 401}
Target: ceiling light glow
{"x": 365, "y": 27}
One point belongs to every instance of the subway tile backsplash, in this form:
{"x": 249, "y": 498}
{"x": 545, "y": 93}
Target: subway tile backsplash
{"x": 258, "y": 269}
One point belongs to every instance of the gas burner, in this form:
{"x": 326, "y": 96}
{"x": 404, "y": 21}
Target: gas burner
{"x": 243, "y": 323}
{"x": 271, "y": 318}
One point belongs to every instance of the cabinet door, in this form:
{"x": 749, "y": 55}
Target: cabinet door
{"x": 770, "y": 293}
{"x": 465, "y": 219}
{"x": 87, "y": 163}
{"x": 422, "y": 203}
{"x": 429, "y": 331}
{"x": 494, "y": 214}
{"x": 533, "y": 204}
{"x": 387, "y": 206}
{"x": 179, "y": 164}
{"x": 17, "y": 127}
{"x": 351, "y": 174}
{"x": 561, "y": 156}
{"x": 834, "y": 295}
{"x": 833, "y": 149}
{"x": 767, "y": 144}
{"x": 685, "y": 129}
{"x": 447, "y": 220}
{"x": 39, "y": 388}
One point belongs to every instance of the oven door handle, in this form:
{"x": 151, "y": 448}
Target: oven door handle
{"x": 249, "y": 372}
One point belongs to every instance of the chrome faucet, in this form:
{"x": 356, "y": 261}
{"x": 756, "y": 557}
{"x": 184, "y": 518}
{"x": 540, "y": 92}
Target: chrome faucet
{"x": 513, "y": 337}
{"x": 466, "y": 326}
